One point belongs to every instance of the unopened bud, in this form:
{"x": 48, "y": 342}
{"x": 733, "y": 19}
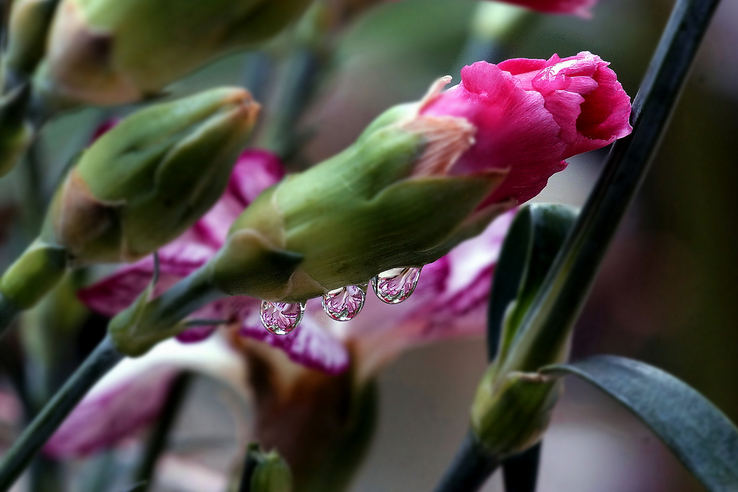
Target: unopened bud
{"x": 265, "y": 472}
{"x": 360, "y": 212}
{"x": 27, "y": 29}
{"x": 136, "y": 188}
{"x": 113, "y": 52}
{"x": 153, "y": 175}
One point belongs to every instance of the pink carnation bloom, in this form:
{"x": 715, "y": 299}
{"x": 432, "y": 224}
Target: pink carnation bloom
{"x": 528, "y": 115}
{"x": 577, "y": 7}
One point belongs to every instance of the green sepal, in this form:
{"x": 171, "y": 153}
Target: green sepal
{"x": 270, "y": 473}
{"x": 265, "y": 471}
{"x": 33, "y": 274}
{"x": 247, "y": 264}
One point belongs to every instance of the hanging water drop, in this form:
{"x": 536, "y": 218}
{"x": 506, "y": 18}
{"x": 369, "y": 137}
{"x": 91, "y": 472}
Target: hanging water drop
{"x": 281, "y": 318}
{"x": 395, "y": 285}
{"x": 344, "y": 303}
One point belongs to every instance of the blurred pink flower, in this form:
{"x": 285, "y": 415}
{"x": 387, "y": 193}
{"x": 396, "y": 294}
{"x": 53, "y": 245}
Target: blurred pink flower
{"x": 578, "y": 7}
{"x": 530, "y": 115}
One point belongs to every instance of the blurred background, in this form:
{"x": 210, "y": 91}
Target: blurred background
{"x": 666, "y": 294}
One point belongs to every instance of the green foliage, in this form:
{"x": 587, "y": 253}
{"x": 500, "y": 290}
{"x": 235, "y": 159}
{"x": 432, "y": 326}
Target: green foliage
{"x": 698, "y": 433}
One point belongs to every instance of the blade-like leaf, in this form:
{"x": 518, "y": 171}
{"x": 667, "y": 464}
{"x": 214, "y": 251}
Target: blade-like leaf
{"x": 698, "y": 433}
{"x": 534, "y": 239}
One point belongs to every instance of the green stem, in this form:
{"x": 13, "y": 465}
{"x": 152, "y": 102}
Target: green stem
{"x": 160, "y": 434}
{"x": 520, "y": 471}
{"x": 300, "y": 81}
{"x": 147, "y": 322}
{"x": 249, "y": 467}
{"x": 43, "y": 426}
{"x": 8, "y": 313}
{"x": 493, "y": 27}
{"x": 471, "y": 467}
{"x": 565, "y": 289}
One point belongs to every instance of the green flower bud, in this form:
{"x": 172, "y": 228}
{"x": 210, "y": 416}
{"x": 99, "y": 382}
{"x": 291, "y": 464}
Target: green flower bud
{"x": 511, "y": 410}
{"x": 358, "y": 213}
{"x": 16, "y": 133}
{"x": 136, "y": 188}
{"x": 266, "y": 472}
{"x": 150, "y": 177}
{"x": 27, "y": 28}
{"x": 113, "y": 52}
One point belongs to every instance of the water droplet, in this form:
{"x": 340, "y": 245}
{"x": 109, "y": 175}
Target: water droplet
{"x": 281, "y": 318}
{"x": 395, "y": 285}
{"x": 344, "y": 303}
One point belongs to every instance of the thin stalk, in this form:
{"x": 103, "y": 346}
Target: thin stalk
{"x": 567, "y": 285}
{"x": 520, "y": 472}
{"x": 16, "y": 459}
{"x": 159, "y": 437}
{"x": 8, "y": 313}
{"x": 471, "y": 467}
{"x": 248, "y": 470}
{"x": 302, "y": 73}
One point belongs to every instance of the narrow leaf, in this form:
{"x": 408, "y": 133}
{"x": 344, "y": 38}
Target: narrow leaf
{"x": 534, "y": 239}
{"x": 698, "y": 433}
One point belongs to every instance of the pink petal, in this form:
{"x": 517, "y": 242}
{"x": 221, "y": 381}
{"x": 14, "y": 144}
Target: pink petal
{"x": 105, "y": 418}
{"x": 309, "y": 344}
{"x": 515, "y": 131}
{"x": 131, "y": 396}
{"x": 577, "y": 7}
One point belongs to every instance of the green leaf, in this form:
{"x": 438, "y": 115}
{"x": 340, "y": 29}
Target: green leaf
{"x": 698, "y": 433}
{"x": 534, "y": 239}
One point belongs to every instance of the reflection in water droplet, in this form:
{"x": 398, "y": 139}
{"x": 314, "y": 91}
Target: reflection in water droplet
{"x": 281, "y": 318}
{"x": 344, "y": 303}
{"x": 395, "y": 285}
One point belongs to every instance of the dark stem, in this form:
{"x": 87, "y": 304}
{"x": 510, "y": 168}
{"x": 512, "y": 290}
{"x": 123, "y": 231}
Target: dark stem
{"x": 302, "y": 73}
{"x": 471, "y": 467}
{"x": 566, "y": 287}
{"x": 159, "y": 437}
{"x": 43, "y": 426}
{"x": 248, "y": 469}
{"x": 520, "y": 472}
{"x": 8, "y": 313}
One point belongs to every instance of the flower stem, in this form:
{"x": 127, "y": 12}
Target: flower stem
{"x": 17, "y": 458}
{"x": 567, "y": 285}
{"x": 165, "y": 423}
{"x": 8, "y": 313}
{"x": 471, "y": 467}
